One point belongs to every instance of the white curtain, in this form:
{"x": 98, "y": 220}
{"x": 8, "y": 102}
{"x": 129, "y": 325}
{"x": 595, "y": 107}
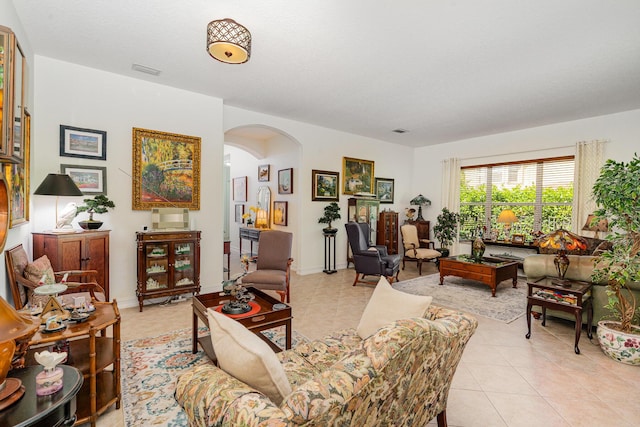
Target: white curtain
{"x": 451, "y": 189}
{"x": 588, "y": 162}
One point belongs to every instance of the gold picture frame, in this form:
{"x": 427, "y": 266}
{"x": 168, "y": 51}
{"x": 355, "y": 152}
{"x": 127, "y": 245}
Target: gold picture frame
{"x": 517, "y": 239}
{"x": 17, "y": 177}
{"x": 166, "y": 170}
{"x": 358, "y": 176}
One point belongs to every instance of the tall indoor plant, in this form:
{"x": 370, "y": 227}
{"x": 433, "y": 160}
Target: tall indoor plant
{"x": 331, "y": 213}
{"x": 617, "y": 195}
{"x": 446, "y": 229}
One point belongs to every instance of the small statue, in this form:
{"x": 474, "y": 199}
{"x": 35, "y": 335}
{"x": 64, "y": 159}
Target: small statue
{"x": 49, "y": 380}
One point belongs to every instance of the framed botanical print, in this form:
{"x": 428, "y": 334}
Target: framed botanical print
{"x": 358, "y": 177}
{"x": 324, "y": 186}
{"x": 89, "y": 179}
{"x": 240, "y": 189}
{"x": 166, "y": 170}
{"x": 285, "y": 181}
{"x": 83, "y": 143}
{"x": 385, "y": 190}
{"x": 280, "y": 213}
{"x": 263, "y": 173}
{"x": 239, "y": 212}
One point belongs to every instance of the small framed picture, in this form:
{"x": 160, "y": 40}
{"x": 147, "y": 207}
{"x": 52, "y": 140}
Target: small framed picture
{"x": 324, "y": 186}
{"x": 384, "y": 190}
{"x": 280, "y": 213}
{"x": 240, "y": 189}
{"x": 83, "y": 143}
{"x": 239, "y": 213}
{"x": 89, "y": 179}
{"x": 517, "y": 239}
{"x": 285, "y": 181}
{"x": 263, "y": 173}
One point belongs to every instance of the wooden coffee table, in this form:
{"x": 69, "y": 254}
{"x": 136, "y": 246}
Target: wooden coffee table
{"x": 266, "y": 318}
{"x": 489, "y": 271}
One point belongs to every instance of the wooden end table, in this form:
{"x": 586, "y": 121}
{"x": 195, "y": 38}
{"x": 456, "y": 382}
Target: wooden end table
{"x": 571, "y": 296}
{"x": 266, "y": 318}
{"x": 489, "y": 271}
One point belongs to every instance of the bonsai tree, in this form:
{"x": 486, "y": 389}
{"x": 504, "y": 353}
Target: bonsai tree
{"x": 617, "y": 196}
{"x": 331, "y": 213}
{"x": 99, "y": 204}
{"x": 446, "y": 227}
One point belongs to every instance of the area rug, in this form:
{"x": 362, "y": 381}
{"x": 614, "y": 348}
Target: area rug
{"x": 471, "y": 296}
{"x": 150, "y": 368}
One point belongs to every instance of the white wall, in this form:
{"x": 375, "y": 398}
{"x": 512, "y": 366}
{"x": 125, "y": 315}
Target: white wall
{"x": 20, "y": 234}
{"x": 622, "y": 130}
{"x": 69, "y": 94}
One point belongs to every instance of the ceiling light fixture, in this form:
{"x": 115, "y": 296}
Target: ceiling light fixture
{"x": 228, "y": 41}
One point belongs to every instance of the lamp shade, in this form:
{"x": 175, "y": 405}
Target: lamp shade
{"x": 595, "y": 226}
{"x": 228, "y": 41}
{"x": 420, "y": 200}
{"x": 507, "y": 216}
{"x": 56, "y": 184}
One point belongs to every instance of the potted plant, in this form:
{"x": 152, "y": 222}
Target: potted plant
{"x": 445, "y": 230}
{"x": 617, "y": 197}
{"x": 99, "y": 204}
{"x": 331, "y": 213}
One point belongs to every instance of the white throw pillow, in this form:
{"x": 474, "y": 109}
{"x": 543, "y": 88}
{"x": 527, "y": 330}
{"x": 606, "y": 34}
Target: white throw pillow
{"x": 246, "y": 357}
{"x": 388, "y": 305}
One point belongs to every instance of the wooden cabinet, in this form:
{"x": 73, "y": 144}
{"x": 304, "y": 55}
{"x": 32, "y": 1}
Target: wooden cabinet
{"x": 388, "y": 231}
{"x": 168, "y": 264}
{"x": 83, "y": 250}
{"x": 94, "y": 351}
{"x": 363, "y": 210}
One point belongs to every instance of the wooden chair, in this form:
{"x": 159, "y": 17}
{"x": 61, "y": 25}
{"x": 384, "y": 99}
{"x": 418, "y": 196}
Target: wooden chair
{"x": 16, "y": 260}
{"x": 273, "y": 264}
{"x": 412, "y": 250}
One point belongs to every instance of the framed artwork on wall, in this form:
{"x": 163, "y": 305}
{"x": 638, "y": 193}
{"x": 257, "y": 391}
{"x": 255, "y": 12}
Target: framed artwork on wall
{"x": 83, "y": 143}
{"x": 285, "y": 181}
{"x": 240, "y": 189}
{"x": 358, "y": 177}
{"x": 517, "y": 239}
{"x": 263, "y": 173}
{"x": 239, "y": 213}
{"x": 324, "y": 186}
{"x": 385, "y": 190}
{"x": 166, "y": 170}
{"x": 17, "y": 180}
{"x": 280, "y": 213}
{"x": 89, "y": 179}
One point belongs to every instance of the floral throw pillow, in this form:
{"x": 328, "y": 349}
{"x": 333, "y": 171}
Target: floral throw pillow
{"x": 38, "y": 268}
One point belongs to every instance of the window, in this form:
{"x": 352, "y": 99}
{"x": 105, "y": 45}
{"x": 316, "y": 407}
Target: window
{"x": 540, "y": 193}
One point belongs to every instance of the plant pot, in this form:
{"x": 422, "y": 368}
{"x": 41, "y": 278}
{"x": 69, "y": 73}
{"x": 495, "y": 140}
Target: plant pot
{"x": 90, "y": 225}
{"x": 328, "y": 230}
{"x": 621, "y": 346}
{"x": 443, "y": 251}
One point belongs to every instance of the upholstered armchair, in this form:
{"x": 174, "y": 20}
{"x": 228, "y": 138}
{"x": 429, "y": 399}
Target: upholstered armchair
{"x": 369, "y": 259}
{"x": 274, "y": 263}
{"x": 412, "y": 250}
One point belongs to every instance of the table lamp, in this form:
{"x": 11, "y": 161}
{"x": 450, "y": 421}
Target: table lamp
{"x": 507, "y": 217}
{"x": 563, "y": 241}
{"x": 56, "y": 184}
{"x": 261, "y": 219}
{"x": 420, "y": 201}
{"x": 595, "y": 226}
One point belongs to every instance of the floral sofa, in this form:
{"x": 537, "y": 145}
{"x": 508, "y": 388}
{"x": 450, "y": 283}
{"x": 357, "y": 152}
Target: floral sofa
{"x": 400, "y": 375}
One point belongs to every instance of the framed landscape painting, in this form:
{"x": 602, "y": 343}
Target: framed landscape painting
{"x": 324, "y": 186}
{"x": 89, "y": 179}
{"x": 83, "y": 143}
{"x": 358, "y": 176}
{"x": 385, "y": 190}
{"x": 166, "y": 170}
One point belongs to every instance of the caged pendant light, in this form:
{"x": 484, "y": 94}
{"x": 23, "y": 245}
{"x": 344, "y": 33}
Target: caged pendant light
{"x": 228, "y": 41}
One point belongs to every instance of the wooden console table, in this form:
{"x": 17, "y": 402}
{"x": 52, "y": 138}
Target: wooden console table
{"x": 250, "y": 234}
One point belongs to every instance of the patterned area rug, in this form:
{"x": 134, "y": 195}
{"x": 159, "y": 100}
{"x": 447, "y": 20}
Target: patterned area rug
{"x": 150, "y": 368}
{"x": 471, "y": 296}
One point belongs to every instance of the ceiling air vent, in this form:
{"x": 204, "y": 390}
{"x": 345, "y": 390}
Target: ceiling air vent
{"x": 400, "y": 131}
{"x": 146, "y": 70}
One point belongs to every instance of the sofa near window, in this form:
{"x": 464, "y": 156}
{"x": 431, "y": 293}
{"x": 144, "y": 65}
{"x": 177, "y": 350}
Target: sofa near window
{"x": 400, "y": 375}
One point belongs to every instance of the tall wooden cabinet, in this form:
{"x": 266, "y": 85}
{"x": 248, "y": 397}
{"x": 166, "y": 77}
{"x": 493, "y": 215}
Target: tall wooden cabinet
{"x": 168, "y": 264}
{"x": 388, "y": 231}
{"x": 363, "y": 209}
{"x": 82, "y": 250}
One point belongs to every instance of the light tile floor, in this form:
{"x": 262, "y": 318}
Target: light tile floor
{"x": 503, "y": 378}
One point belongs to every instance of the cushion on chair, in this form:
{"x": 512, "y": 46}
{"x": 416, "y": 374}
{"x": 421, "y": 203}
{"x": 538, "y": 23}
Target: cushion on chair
{"x": 246, "y": 357}
{"x": 422, "y": 253}
{"x": 275, "y": 278}
{"x": 388, "y": 305}
{"x": 35, "y": 270}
